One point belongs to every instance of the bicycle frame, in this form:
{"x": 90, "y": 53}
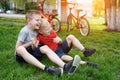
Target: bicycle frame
{"x": 77, "y": 18}
{"x": 78, "y": 21}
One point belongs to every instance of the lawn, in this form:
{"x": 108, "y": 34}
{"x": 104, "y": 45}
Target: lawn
{"x": 107, "y": 54}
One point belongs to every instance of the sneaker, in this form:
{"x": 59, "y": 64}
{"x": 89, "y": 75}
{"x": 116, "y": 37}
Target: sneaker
{"x": 88, "y": 52}
{"x": 55, "y": 71}
{"x": 92, "y": 64}
{"x": 72, "y": 66}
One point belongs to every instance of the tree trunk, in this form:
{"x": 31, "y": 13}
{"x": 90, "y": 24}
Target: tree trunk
{"x": 118, "y": 17}
{"x": 105, "y": 13}
{"x": 59, "y": 8}
{"x": 113, "y": 15}
{"x": 108, "y": 12}
{"x": 63, "y": 11}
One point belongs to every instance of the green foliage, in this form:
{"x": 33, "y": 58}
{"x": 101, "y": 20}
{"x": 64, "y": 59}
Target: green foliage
{"x": 30, "y": 5}
{"x": 19, "y": 3}
{"x": 25, "y": 5}
{"x": 53, "y": 2}
{"x": 107, "y": 54}
{"x": 5, "y": 4}
{"x": 98, "y": 8}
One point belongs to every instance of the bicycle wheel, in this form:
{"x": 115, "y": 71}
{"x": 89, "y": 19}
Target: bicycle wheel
{"x": 70, "y": 23}
{"x": 84, "y": 27}
{"x": 55, "y": 24}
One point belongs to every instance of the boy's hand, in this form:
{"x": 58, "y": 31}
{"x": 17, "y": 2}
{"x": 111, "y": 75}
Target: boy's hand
{"x": 35, "y": 42}
{"x": 57, "y": 40}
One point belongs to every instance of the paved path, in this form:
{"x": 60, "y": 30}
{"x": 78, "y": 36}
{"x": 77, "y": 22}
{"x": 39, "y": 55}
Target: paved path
{"x": 12, "y": 15}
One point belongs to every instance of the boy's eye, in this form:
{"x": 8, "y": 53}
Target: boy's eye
{"x": 37, "y": 20}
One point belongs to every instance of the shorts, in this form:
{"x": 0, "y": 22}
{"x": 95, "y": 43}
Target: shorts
{"x": 63, "y": 49}
{"x": 36, "y": 53}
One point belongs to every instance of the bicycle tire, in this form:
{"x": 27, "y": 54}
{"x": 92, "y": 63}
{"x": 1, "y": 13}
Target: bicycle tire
{"x": 70, "y": 23}
{"x": 84, "y": 27}
{"x": 55, "y": 24}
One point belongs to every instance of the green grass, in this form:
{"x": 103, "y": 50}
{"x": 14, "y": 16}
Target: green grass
{"x": 107, "y": 54}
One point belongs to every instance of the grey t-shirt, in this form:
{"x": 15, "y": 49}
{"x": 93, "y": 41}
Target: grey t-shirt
{"x": 26, "y": 35}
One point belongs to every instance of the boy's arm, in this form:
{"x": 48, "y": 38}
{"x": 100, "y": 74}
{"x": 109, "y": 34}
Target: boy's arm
{"x": 19, "y": 43}
{"x": 57, "y": 40}
{"x": 35, "y": 43}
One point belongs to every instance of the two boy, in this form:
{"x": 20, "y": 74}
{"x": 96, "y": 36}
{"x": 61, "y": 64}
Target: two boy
{"x": 28, "y": 51}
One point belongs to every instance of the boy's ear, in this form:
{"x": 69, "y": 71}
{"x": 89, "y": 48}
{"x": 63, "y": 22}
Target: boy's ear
{"x": 28, "y": 20}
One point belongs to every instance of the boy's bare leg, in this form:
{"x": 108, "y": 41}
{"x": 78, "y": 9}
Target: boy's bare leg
{"x": 32, "y": 60}
{"x": 52, "y": 55}
{"x": 72, "y": 39}
{"x": 29, "y": 58}
{"x": 68, "y": 67}
{"x": 66, "y": 58}
{"x": 69, "y": 58}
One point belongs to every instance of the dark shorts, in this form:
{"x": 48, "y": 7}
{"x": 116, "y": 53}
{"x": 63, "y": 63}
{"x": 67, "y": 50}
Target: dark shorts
{"x": 63, "y": 49}
{"x": 36, "y": 53}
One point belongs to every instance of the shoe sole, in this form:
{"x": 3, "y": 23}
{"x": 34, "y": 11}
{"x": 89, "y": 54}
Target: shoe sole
{"x": 75, "y": 65}
{"x": 61, "y": 69}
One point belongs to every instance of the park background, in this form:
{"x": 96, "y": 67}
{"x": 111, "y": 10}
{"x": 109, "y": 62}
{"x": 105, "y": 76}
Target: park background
{"x": 104, "y": 36}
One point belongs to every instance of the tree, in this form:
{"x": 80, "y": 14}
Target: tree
{"x": 108, "y": 11}
{"x": 111, "y": 14}
{"x": 105, "y": 12}
{"x": 5, "y": 4}
{"x": 118, "y": 17}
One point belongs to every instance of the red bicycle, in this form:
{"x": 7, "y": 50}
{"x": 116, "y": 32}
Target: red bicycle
{"x": 79, "y": 21}
{"x": 52, "y": 18}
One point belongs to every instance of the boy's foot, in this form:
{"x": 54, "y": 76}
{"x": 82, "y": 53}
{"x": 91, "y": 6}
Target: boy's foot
{"x": 55, "y": 71}
{"x": 88, "y": 52}
{"x": 92, "y": 64}
{"x": 71, "y": 66}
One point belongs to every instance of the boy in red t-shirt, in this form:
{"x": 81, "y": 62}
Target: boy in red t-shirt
{"x": 48, "y": 37}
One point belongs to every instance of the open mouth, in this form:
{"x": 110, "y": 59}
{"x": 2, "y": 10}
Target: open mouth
{"x": 38, "y": 25}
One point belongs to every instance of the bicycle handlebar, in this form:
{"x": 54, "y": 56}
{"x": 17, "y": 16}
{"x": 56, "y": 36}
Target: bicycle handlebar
{"x": 76, "y": 7}
{"x": 74, "y": 4}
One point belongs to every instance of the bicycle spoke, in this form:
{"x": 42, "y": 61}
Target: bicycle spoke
{"x": 55, "y": 24}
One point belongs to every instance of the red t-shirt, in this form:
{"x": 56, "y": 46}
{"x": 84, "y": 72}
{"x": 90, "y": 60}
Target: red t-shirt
{"x": 48, "y": 40}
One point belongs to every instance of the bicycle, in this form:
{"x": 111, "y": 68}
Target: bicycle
{"x": 52, "y": 18}
{"x": 80, "y": 22}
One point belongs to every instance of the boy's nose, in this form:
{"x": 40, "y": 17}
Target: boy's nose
{"x": 39, "y": 22}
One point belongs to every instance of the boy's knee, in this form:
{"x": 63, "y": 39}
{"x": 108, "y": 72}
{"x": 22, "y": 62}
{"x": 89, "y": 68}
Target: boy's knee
{"x": 44, "y": 49}
{"x": 70, "y": 36}
{"x": 19, "y": 50}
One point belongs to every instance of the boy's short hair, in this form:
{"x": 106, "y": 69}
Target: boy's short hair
{"x": 44, "y": 23}
{"x": 31, "y": 13}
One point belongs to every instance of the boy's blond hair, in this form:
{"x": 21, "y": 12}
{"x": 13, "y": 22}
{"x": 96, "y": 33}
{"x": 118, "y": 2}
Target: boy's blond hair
{"x": 44, "y": 23}
{"x": 31, "y": 13}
